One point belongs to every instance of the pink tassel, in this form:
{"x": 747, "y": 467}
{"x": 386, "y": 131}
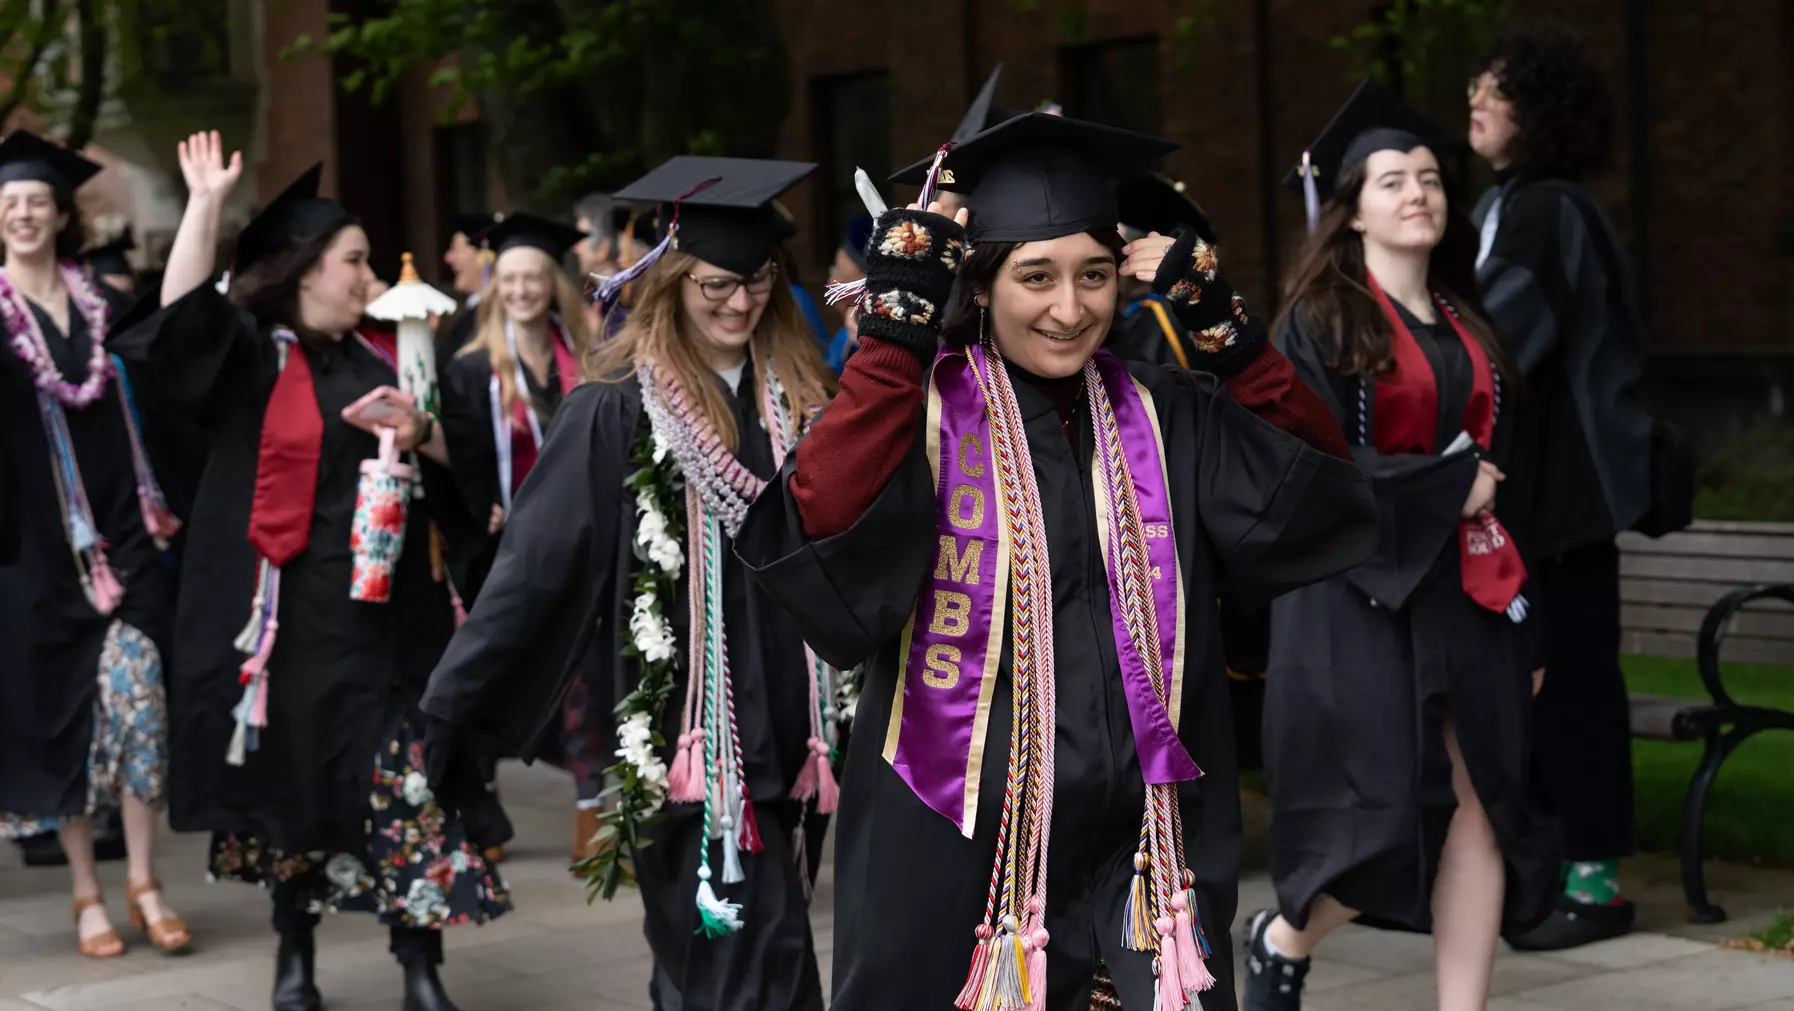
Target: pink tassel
{"x": 1190, "y": 967}
{"x": 806, "y": 786}
{"x": 258, "y": 712}
{"x": 106, "y": 590}
{"x": 749, "y": 828}
{"x": 459, "y": 607}
{"x": 1037, "y": 979}
{"x": 1171, "y": 988}
{"x": 828, "y": 794}
{"x": 685, "y": 781}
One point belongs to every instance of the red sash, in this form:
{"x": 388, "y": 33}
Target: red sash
{"x": 286, "y": 470}
{"x": 523, "y": 440}
{"x": 1406, "y": 421}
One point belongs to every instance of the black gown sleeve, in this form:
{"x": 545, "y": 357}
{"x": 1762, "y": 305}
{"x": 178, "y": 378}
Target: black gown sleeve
{"x": 853, "y": 592}
{"x": 1418, "y": 498}
{"x": 1526, "y": 279}
{"x": 197, "y": 353}
{"x": 467, "y": 425}
{"x": 509, "y": 665}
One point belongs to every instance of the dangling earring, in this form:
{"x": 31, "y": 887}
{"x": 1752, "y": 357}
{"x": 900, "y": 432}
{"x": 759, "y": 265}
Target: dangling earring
{"x": 981, "y": 323}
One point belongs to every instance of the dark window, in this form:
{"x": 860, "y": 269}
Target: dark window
{"x": 186, "y": 39}
{"x": 852, "y": 129}
{"x": 1115, "y": 82}
{"x": 461, "y": 186}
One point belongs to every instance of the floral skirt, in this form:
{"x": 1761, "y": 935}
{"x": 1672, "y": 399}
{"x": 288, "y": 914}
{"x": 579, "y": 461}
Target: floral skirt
{"x": 416, "y": 868}
{"x": 128, "y": 755}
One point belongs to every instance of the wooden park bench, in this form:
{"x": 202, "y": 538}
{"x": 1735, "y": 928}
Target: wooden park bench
{"x": 1685, "y": 595}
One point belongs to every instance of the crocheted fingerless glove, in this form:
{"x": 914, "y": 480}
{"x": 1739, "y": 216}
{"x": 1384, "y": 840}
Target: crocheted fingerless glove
{"x": 910, "y": 263}
{"x": 1225, "y": 335}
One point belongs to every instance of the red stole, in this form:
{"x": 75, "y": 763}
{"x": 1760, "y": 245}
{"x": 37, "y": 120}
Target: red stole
{"x": 286, "y": 471}
{"x": 1407, "y": 421}
{"x": 523, "y": 438}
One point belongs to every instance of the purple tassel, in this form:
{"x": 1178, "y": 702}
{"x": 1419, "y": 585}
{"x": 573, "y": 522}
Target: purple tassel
{"x": 1311, "y": 194}
{"x": 610, "y": 288}
{"x": 931, "y": 184}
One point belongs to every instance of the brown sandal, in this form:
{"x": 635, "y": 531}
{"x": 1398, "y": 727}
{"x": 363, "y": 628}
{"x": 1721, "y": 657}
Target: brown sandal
{"x": 170, "y": 932}
{"x": 103, "y": 945}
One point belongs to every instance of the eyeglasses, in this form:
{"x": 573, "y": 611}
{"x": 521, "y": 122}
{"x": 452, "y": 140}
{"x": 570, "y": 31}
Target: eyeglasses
{"x": 1485, "y": 85}
{"x": 721, "y": 289}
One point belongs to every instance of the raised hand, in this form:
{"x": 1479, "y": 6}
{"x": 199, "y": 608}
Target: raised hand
{"x": 1143, "y": 256}
{"x": 203, "y": 166}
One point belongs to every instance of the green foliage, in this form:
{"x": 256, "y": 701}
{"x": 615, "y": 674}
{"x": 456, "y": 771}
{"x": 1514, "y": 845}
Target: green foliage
{"x": 1190, "y": 30}
{"x": 1746, "y": 812}
{"x": 1779, "y": 934}
{"x": 1753, "y": 479}
{"x": 1398, "y": 43}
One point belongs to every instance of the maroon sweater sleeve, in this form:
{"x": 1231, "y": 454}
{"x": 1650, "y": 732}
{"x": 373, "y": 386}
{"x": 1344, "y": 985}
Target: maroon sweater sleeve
{"x": 1269, "y": 387}
{"x": 858, "y": 443}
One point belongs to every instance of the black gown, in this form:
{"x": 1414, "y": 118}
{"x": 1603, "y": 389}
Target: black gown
{"x": 1256, "y": 510}
{"x": 1360, "y": 782}
{"x": 50, "y": 637}
{"x": 344, "y": 674}
{"x": 473, "y": 457}
{"x": 558, "y": 591}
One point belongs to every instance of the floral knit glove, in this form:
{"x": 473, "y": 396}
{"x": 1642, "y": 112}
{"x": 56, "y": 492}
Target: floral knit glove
{"x": 910, "y": 263}
{"x": 1226, "y": 336}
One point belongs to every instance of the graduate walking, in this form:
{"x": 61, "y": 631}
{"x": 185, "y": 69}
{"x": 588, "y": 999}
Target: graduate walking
{"x": 1396, "y": 719}
{"x": 304, "y": 645}
{"x": 1023, "y": 537}
{"x": 616, "y": 567}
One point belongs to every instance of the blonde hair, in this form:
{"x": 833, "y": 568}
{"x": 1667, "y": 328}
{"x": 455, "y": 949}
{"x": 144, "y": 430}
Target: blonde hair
{"x": 489, "y": 330}
{"x": 655, "y": 330}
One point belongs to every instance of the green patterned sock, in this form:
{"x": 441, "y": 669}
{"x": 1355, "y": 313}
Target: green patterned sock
{"x": 1596, "y": 882}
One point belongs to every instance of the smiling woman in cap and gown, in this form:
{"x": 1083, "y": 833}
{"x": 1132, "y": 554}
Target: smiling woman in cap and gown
{"x": 1397, "y": 718}
{"x": 1023, "y": 536}
{"x": 298, "y": 744}
{"x": 616, "y": 567}
{"x": 84, "y": 616}
{"x": 529, "y": 338}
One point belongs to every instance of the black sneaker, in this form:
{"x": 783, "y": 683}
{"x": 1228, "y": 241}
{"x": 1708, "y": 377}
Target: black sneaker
{"x": 1273, "y": 982}
{"x": 1573, "y": 924}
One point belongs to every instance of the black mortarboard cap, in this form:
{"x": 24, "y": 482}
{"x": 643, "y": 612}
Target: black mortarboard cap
{"x": 26, "y": 157}
{"x": 978, "y": 117}
{"x": 1041, "y": 176}
{"x": 297, "y": 213}
{"x": 475, "y": 226}
{"x": 729, "y": 222}
{"x": 1154, "y": 202}
{"x": 522, "y": 229}
{"x": 109, "y": 260}
{"x": 1372, "y": 120}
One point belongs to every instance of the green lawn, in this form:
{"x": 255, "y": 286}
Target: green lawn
{"x": 1750, "y": 813}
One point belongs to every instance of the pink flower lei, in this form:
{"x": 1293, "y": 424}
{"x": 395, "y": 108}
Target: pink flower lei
{"x": 29, "y": 344}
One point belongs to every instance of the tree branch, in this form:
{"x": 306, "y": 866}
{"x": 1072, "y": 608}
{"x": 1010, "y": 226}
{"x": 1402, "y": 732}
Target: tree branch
{"x": 93, "y": 75}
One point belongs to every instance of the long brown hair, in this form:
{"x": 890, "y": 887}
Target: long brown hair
{"x": 1326, "y": 295}
{"x": 655, "y": 330}
{"x": 269, "y": 288}
{"x": 489, "y": 330}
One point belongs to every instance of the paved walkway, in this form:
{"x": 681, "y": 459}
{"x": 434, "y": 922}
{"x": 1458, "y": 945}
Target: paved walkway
{"x": 555, "y": 953}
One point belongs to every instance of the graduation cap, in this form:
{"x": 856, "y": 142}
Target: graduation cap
{"x": 978, "y": 117}
{"x": 1040, "y": 176}
{"x": 26, "y": 157}
{"x": 297, "y": 213}
{"x": 720, "y": 210}
{"x": 109, "y": 260}
{"x": 1372, "y": 120}
{"x": 474, "y": 226}
{"x": 1154, "y": 202}
{"x": 522, "y": 229}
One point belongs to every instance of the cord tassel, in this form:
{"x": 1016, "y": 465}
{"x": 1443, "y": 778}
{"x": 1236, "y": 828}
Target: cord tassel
{"x": 750, "y": 827}
{"x": 732, "y": 874}
{"x": 685, "y": 783}
{"x": 978, "y": 977}
{"x": 1171, "y": 987}
{"x": 1037, "y": 979}
{"x": 716, "y": 916}
{"x": 1190, "y": 968}
{"x": 828, "y": 792}
{"x": 105, "y": 590}
{"x": 1136, "y": 919}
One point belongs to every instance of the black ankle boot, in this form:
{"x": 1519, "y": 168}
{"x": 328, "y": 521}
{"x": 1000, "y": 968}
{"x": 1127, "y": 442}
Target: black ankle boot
{"x": 423, "y": 989}
{"x": 294, "y": 989}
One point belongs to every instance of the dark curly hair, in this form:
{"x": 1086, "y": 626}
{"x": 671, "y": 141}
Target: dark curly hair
{"x": 1561, "y": 100}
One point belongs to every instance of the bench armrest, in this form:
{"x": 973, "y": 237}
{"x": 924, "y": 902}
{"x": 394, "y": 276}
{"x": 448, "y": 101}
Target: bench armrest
{"x": 1719, "y": 621}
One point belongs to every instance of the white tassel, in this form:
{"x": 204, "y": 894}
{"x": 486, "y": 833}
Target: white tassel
{"x": 732, "y": 873}
{"x": 239, "y": 736}
{"x": 869, "y": 195}
{"x": 725, "y": 914}
{"x": 248, "y": 640}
